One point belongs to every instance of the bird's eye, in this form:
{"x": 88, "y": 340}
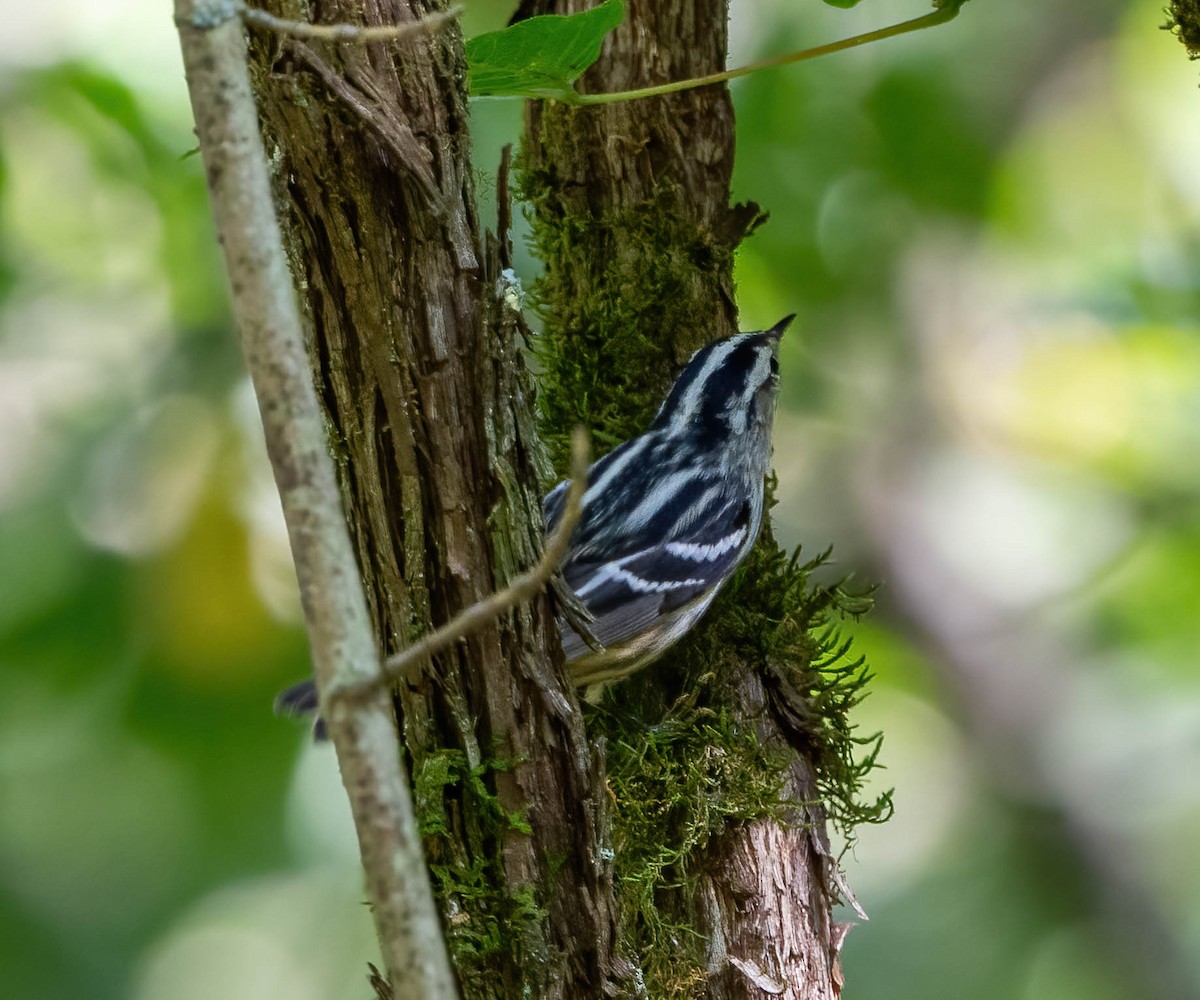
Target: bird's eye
{"x": 774, "y": 367}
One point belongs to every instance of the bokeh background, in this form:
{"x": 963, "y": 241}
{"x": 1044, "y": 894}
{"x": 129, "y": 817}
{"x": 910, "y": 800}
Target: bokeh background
{"x": 991, "y": 408}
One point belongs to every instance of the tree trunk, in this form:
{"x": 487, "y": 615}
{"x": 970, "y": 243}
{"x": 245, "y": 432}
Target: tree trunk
{"x": 634, "y": 226}
{"x": 422, "y": 377}
{"x": 418, "y": 362}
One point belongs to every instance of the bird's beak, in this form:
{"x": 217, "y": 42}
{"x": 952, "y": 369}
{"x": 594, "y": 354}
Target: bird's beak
{"x": 783, "y": 324}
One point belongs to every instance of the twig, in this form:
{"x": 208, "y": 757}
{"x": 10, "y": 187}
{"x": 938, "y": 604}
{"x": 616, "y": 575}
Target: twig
{"x": 940, "y": 16}
{"x": 356, "y": 33}
{"x": 480, "y": 614}
{"x": 339, "y": 627}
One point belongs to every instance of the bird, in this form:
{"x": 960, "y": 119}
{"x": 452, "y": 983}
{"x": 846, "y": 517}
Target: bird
{"x": 670, "y": 514}
{"x": 666, "y": 517}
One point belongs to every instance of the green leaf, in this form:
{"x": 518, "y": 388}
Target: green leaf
{"x": 845, "y": 4}
{"x": 541, "y": 56}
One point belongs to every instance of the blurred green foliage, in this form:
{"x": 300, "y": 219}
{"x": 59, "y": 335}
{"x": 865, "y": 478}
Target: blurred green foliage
{"x": 990, "y": 234}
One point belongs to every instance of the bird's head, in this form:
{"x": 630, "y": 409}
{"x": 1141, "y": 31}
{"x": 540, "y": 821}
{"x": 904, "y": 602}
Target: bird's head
{"x": 727, "y": 391}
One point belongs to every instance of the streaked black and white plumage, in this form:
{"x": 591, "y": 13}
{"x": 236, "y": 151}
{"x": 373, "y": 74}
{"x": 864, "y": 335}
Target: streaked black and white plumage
{"x": 668, "y": 516}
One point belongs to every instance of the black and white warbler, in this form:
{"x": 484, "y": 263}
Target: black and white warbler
{"x": 667, "y": 516}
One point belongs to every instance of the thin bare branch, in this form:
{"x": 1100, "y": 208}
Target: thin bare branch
{"x": 479, "y": 615}
{"x": 339, "y": 627}
{"x": 946, "y": 12}
{"x": 357, "y": 34}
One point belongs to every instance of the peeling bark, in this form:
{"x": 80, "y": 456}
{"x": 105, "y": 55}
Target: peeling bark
{"x": 419, "y": 367}
{"x": 763, "y": 890}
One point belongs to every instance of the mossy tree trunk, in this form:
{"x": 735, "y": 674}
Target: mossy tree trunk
{"x": 633, "y": 222}
{"x": 418, "y": 361}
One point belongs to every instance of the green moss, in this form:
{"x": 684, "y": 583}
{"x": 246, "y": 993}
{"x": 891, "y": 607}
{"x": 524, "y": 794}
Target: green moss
{"x": 790, "y": 631}
{"x": 682, "y": 767}
{"x": 1183, "y": 18}
{"x": 623, "y": 306}
{"x": 677, "y": 783}
{"x": 485, "y": 915}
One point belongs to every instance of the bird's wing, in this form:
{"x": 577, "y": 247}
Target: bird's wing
{"x": 628, "y": 592}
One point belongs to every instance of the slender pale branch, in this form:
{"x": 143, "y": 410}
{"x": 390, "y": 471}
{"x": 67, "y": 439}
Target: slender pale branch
{"x": 936, "y": 17}
{"x": 339, "y": 628}
{"x": 482, "y": 613}
{"x": 355, "y": 33}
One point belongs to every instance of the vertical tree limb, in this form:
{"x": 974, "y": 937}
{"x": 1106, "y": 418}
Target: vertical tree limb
{"x": 419, "y": 366}
{"x": 633, "y": 221}
{"x": 343, "y": 646}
